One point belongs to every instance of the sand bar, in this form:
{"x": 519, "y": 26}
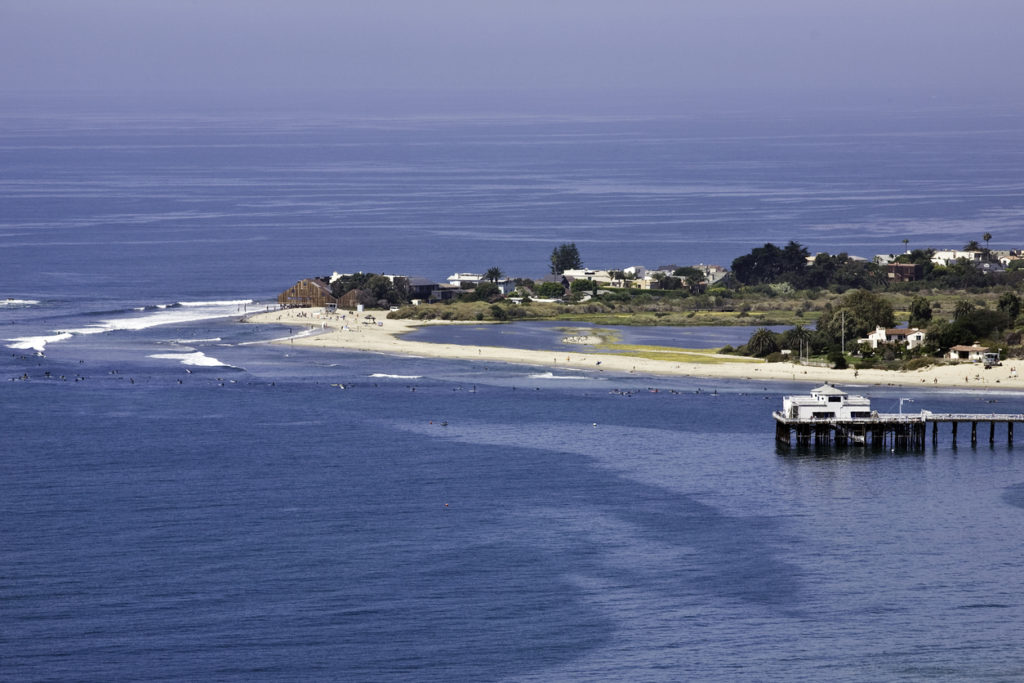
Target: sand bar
{"x": 373, "y": 332}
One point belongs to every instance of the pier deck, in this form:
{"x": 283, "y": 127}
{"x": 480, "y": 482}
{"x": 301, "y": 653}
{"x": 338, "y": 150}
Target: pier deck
{"x": 896, "y": 430}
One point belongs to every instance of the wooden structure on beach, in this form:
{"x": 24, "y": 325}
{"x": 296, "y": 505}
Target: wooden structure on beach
{"x": 825, "y": 418}
{"x": 311, "y": 292}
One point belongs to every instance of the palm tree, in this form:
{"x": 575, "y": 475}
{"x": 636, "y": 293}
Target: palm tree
{"x": 987, "y": 236}
{"x": 905, "y": 243}
{"x": 963, "y": 309}
{"x": 493, "y": 274}
{"x": 762, "y": 342}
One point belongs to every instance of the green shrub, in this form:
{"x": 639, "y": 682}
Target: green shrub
{"x": 837, "y": 359}
{"x": 918, "y": 363}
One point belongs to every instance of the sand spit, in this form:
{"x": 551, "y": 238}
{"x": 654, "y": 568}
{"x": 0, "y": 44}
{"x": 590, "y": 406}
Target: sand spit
{"x": 372, "y": 332}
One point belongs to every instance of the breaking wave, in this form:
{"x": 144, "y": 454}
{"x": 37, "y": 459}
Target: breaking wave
{"x": 551, "y": 375}
{"x": 384, "y": 374}
{"x": 151, "y": 316}
{"x": 196, "y": 358}
{"x": 37, "y": 344}
{"x": 232, "y": 302}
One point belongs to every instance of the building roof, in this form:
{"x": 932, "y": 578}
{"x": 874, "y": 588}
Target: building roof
{"x": 828, "y": 390}
{"x": 961, "y": 347}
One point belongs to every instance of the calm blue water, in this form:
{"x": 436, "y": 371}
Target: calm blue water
{"x": 181, "y": 501}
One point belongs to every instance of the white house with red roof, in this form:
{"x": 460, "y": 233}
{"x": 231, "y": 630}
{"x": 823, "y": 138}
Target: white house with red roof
{"x": 911, "y": 337}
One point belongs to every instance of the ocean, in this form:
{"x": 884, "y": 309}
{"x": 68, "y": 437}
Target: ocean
{"x": 181, "y": 500}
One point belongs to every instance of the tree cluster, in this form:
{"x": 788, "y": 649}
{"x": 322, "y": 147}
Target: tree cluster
{"x": 565, "y": 257}
{"x": 375, "y": 290}
{"x": 772, "y": 265}
{"x": 484, "y": 291}
{"x": 855, "y": 315}
{"x": 549, "y": 290}
{"x": 767, "y": 264}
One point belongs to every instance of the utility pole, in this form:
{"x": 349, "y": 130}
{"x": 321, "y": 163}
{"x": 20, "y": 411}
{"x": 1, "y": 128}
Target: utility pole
{"x": 843, "y": 334}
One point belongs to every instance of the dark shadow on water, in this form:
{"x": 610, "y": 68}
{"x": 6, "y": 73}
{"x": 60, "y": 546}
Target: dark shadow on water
{"x": 840, "y": 453}
{"x": 1014, "y": 495}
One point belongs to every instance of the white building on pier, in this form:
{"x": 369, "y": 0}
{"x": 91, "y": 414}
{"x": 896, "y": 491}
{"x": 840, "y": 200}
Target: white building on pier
{"x": 826, "y": 403}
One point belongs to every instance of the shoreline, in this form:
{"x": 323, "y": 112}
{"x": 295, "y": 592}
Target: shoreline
{"x": 348, "y": 330}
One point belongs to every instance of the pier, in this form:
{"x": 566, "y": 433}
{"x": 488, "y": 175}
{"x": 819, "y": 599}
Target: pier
{"x": 830, "y": 416}
{"x": 892, "y": 430}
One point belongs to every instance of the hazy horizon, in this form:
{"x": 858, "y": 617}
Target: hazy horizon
{"x": 529, "y": 54}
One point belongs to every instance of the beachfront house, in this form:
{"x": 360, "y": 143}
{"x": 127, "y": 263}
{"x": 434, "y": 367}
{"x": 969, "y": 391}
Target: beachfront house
{"x": 911, "y": 338}
{"x": 972, "y": 354}
{"x": 420, "y": 288}
{"x": 468, "y": 281}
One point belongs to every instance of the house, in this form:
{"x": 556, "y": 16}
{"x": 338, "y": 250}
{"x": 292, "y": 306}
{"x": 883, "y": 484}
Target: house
{"x": 310, "y": 292}
{"x": 947, "y": 257}
{"x": 911, "y": 338}
{"x": 991, "y": 267}
{"x": 1007, "y": 256}
{"x": 973, "y": 353}
{"x": 601, "y": 277}
{"x": 465, "y": 280}
{"x": 826, "y": 403}
{"x": 446, "y": 291}
{"x": 421, "y": 288}
{"x": 506, "y": 286}
{"x": 712, "y": 273}
{"x": 903, "y": 272}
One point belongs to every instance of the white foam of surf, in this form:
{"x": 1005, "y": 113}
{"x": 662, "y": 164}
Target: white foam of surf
{"x": 196, "y": 341}
{"x": 384, "y": 374}
{"x": 551, "y": 375}
{"x": 234, "y": 302}
{"x": 197, "y": 358}
{"x": 17, "y": 302}
{"x": 37, "y": 343}
{"x": 162, "y": 315}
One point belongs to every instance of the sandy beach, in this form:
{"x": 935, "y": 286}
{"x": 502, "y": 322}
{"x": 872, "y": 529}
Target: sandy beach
{"x": 373, "y": 332}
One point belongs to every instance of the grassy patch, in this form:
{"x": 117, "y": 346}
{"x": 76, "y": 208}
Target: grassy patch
{"x": 671, "y": 353}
